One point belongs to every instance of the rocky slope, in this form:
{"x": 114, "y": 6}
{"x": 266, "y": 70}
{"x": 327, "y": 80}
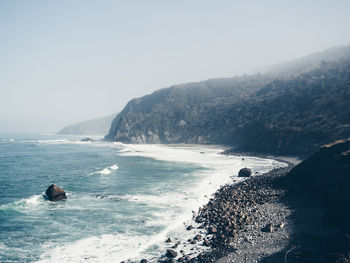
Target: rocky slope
{"x": 99, "y": 126}
{"x": 325, "y": 178}
{"x": 287, "y": 215}
{"x": 318, "y": 197}
{"x": 269, "y": 113}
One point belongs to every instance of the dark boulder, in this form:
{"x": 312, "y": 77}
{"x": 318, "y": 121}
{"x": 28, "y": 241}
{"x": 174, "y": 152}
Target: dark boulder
{"x": 268, "y": 228}
{"x": 244, "y": 172}
{"x": 190, "y": 227}
{"x": 213, "y": 230}
{"x": 206, "y": 242}
{"x": 55, "y": 193}
{"x": 87, "y": 139}
{"x": 171, "y": 253}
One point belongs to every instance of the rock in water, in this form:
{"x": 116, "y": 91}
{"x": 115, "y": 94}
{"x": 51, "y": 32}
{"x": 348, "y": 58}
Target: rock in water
{"x": 87, "y": 139}
{"x": 244, "y": 172}
{"x": 55, "y": 193}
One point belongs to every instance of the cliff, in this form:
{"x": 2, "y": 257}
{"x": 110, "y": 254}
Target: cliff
{"x": 290, "y": 114}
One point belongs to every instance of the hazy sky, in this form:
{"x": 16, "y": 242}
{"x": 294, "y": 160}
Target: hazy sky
{"x": 67, "y": 61}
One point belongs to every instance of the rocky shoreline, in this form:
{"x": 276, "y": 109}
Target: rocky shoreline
{"x": 244, "y": 222}
{"x": 281, "y": 216}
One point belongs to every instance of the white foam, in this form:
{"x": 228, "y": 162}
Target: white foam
{"x": 220, "y": 169}
{"x": 34, "y": 200}
{"x": 8, "y": 140}
{"x": 104, "y": 171}
{"x": 31, "y": 202}
{"x": 107, "y": 170}
{"x": 77, "y": 140}
{"x": 106, "y": 248}
{"x": 58, "y": 141}
{"x": 114, "y": 167}
{"x": 165, "y": 200}
{"x": 102, "y": 248}
{"x": 174, "y": 208}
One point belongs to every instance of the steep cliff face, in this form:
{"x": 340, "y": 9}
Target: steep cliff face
{"x": 182, "y": 113}
{"x": 263, "y": 113}
{"x": 99, "y": 126}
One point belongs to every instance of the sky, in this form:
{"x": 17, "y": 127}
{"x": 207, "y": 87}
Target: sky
{"x": 67, "y": 61}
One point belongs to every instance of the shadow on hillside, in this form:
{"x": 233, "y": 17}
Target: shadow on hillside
{"x": 314, "y": 238}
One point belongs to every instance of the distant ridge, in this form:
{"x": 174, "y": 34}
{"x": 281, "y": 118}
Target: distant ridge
{"x": 307, "y": 63}
{"x": 291, "y": 113}
{"x": 98, "y": 126}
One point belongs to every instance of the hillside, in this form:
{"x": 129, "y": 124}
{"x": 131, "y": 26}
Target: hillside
{"x": 325, "y": 178}
{"x": 293, "y": 114}
{"x": 318, "y": 196}
{"x": 98, "y": 126}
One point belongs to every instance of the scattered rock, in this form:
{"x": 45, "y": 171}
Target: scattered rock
{"x": 200, "y": 257}
{"x": 198, "y": 237}
{"x": 268, "y": 228}
{"x": 281, "y": 225}
{"x": 228, "y": 217}
{"x": 244, "y": 172}
{"x": 168, "y": 240}
{"x": 171, "y": 253}
{"x": 143, "y": 261}
{"x": 55, "y": 193}
{"x": 213, "y": 230}
{"x": 190, "y": 227}
{"x": 206, "y": 242}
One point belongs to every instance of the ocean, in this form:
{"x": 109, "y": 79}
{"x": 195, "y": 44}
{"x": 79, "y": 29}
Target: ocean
{"x": 123, "y": 201}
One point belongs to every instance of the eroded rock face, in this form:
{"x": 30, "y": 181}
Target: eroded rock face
{"x": 55, "y": 193}
{"x": 244, "y": 172}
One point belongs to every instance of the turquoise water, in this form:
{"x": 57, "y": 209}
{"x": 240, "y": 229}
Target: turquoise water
{"x": 122, "y": 202}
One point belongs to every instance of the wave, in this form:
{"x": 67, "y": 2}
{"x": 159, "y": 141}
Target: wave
{"x": 220, "y": 170}
{"x": 117, "y": 247}
{"x": 107, "y": 170}
{"x": 31, "y": 202}
{"x": 56, "y": 141}
{"x": 164, "y": 200}
{"x": 114, "y": 167}
{"x": 105, "y": 248}
{"x": 8, "y": 140}
{"x": 170, "y": 222}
